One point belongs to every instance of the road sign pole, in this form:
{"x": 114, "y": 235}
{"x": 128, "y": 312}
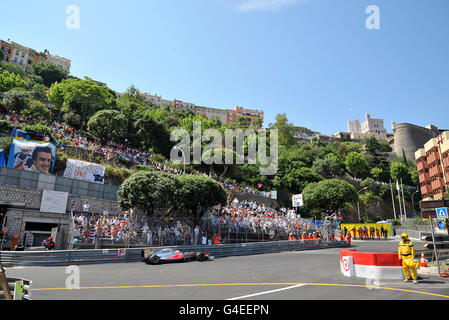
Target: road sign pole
{"x": 434, "y": 244}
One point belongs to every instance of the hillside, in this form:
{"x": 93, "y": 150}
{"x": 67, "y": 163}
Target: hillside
{"x": 127, "y": 134}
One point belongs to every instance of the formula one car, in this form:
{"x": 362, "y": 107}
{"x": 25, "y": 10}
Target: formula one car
{"x": 172, "y": 255}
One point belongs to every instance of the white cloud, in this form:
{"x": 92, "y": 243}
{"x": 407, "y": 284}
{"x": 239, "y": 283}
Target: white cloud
{"x": 266, "y": 5}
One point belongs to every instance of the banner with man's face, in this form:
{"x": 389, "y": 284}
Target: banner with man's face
{"x": 32, "y": 156}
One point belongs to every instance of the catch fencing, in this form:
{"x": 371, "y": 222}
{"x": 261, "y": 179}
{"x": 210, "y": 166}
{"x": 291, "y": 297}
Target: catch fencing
{"x": 84, "y": 257}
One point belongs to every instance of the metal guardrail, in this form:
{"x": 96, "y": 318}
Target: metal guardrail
{"x": 83, "y": 257}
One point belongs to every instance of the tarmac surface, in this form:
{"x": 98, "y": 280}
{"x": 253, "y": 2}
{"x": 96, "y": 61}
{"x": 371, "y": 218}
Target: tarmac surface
{"x": 298, "y": 275}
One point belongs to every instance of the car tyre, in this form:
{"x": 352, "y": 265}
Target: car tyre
{"x": 201, "y": 257}
{"x": 154, "y": 260}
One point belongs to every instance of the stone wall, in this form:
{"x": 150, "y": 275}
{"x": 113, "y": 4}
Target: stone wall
{"x": 410, "y": 138}
{"x": 23, "y": 205}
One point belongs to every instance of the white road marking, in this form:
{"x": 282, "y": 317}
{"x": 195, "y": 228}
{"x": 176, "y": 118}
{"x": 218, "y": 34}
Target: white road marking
{"x": 266, "y": 292}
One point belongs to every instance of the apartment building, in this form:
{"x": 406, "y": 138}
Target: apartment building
{"x": 7, "y": 50}
{"x": 60, "y": 62}
{"x": 20, "y": 55}
{"x": 27, "y": 57}
{"x": 432, "y": 163}
{"x": 226, "y": 116}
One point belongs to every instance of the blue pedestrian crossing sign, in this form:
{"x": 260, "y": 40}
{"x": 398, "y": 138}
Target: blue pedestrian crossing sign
{"x": 442, "y": 213}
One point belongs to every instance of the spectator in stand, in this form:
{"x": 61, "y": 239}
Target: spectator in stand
{"x": 86, "y": 207}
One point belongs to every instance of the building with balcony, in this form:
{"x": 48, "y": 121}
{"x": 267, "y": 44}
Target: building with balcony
{"x": 27, "y": 57}
{"x": 432, "y": 163}
{"x": 60, "y": 62}
{"x": 7, "y": 50}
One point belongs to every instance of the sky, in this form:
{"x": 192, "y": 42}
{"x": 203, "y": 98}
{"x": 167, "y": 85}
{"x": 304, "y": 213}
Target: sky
{"x": 314, "y": 60}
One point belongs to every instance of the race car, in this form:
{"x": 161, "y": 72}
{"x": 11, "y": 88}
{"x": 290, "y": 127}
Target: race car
{"x": 172, "y": 255}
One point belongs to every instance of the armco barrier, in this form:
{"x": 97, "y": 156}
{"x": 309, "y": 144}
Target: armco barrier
{"x": 381, "y": 266}
{"x": 82, "y": 257}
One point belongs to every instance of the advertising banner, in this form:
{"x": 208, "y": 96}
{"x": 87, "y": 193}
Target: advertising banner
{"x": 32, "y": 156}
{"x": 85, "y": 171}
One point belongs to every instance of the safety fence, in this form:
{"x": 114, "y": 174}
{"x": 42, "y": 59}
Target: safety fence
{"x": 83, "y": 257}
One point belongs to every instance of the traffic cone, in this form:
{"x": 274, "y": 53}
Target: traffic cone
{"x": 423, "y": 262}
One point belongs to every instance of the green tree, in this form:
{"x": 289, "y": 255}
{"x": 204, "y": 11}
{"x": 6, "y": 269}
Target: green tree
{"x": 108, "y": 125}
{"x": 285, "y": 130}
{"x": 36, "y": 109}
{"x": 414, "y": 174}
{"x": 14, "y": 68}
{"x": 329, "y": 167}
{"x": 82, "y": 97}
{"x": 9, "y": 81}
{"x": 39, "y": 128}
{"x": 49, "y": 73}
{"x": 148, "y": 191}
{"x": 330, "y": 195}
{"x": 39, "y": 92}
{"x": 15, "y": 100}
{"x": 197, "y": 194}
{"x": 398, "y": 171}
{"x": 356, "y": 164}
{"x": 152, "y": 133}
{"x": 376, "y": 173}
{"x": 297, "y": 179}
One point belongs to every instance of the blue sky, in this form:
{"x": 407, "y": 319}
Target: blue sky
{"x": 311, "y": 59}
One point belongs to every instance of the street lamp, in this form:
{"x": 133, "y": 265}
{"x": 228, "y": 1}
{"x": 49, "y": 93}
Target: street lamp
{"x": 413, "y": 203}
{"x": 358, "y": 202}
{"x": 183, "y": 155}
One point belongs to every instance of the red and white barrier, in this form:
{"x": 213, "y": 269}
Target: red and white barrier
{"x": 381, "y": 266}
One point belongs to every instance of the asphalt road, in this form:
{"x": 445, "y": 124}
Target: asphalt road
{"x": 302, "y": 275}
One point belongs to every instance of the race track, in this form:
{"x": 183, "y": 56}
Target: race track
{"x": 302, "y": 275}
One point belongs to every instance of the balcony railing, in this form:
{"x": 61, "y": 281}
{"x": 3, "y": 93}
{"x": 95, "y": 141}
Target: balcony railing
{"x": 435, "y": 171}
{"x": 437, "y": 184}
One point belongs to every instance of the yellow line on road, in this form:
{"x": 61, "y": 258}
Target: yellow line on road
{"x": 243, "y": 284}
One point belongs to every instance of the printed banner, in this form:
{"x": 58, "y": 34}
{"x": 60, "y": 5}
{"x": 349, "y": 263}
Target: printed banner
{"x": 17, "y": 133}
{"x": 32, "y": 156}
{"x": 2, "y": 158}
{"x": 85, "y": 171}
